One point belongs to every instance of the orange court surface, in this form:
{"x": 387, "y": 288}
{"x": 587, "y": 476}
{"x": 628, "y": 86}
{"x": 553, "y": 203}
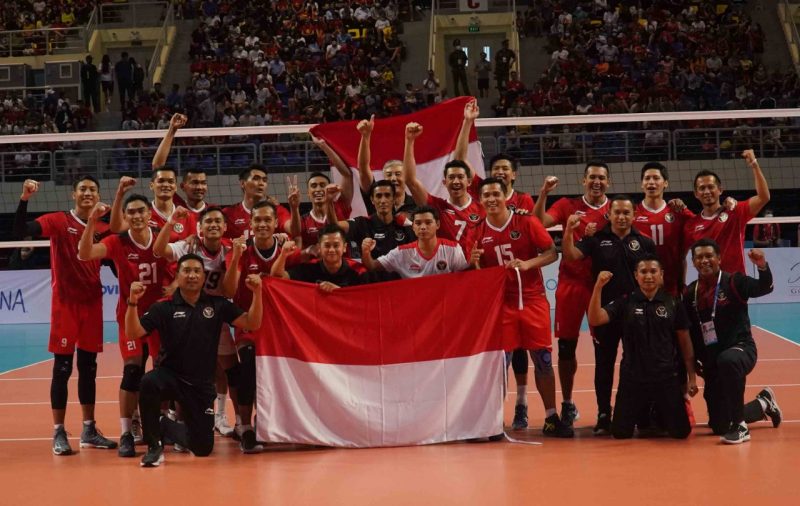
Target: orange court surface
{"x": 586, "y": 470}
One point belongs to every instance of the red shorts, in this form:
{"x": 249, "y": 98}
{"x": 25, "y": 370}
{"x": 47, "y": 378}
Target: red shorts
{"x": 572, "y": 302}
{"x": 76, "y": 323}
{"x": 527, "y": 328}
{"x": 130, "y": 348}
{"x": 240, "y": 335}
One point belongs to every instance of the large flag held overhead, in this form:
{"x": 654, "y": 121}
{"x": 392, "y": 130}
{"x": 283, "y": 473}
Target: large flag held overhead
{"x": 441, "y": 124}
{"x": 373, "y": 365}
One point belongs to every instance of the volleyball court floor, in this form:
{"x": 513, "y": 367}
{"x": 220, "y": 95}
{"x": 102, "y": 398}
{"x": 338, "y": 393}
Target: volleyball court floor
{"x": 585, "y": 470}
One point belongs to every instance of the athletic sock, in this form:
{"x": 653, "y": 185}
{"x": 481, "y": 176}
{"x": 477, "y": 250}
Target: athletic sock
{"x": 125, "y": 424}
{"x": 522, "y": 395}
{"x": 238, "y": 420}
{"x": 550, "y": 412}
{"x": 58, "y": 426}
{"x": 763, "y": 406}
{"x": 87, "y": 423}
{"x": 568, "y": 401}
{"x": 222, "y": 400}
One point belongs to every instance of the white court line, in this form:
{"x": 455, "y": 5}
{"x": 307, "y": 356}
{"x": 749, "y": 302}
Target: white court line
{"x": 591, "y": 390}
{"x": 776, "y": 335}
{"x": 25, "y": 367}
{"x": 47, "y": 378}
{"x": 591, "y": 364}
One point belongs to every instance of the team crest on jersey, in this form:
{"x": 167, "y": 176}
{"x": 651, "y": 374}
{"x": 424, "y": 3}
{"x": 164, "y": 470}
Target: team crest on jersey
{"x": 399, "y": 236}
{"x": 178, "y": 227}
{"x": 474, "y": 217}
{"x": 634, "y": 245}
{"x": 208, "y": 312}
{"x": 441, "y": 265}
{"x": 669, "y": 217}
{"x": 514, "y": 234}
{"x": 133, "y": 257}
{"x": 722, "y": 298}
{"x": 605, "y": 216}
{"x": 661, "y": 311}
{"x": 414, "y": 267}
{"x": 723, "y": 217}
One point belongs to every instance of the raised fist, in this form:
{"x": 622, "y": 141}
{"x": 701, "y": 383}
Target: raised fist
{"x": 573, "y": 222}
{"x": 99, "y": 210}
{"x": 177, "y": 121}
{"x": 252, "y": 282}
{"x": 137, "y": 290}
{"x": 604, "y": 277}
{"x": 757, "y": 257}
{"x": 125, "y": 184}
{"x": 29, "y": 187}
{"x": 550, "y": 183}
{"x": 413, "y": 130}
{"x": 365, "y": 127}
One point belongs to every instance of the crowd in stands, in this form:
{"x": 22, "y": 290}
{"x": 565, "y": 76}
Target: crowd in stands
{"x": 30, "y": 16}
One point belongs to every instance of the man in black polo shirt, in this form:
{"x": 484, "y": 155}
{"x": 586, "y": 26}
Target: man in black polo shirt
{"x": 189, "y": 324}
{"x": 383, "y": 225}
{"x": 650, "y": 372}
{"x": 616, "y": 248}
{"x": 720, "y": 327}
{"x": 331, "y": 271}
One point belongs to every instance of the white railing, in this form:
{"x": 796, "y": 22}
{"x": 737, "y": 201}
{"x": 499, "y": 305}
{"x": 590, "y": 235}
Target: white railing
{"x": 138, "y": 14}
{"x": 793, "y": 38}
{"x": 155, "y": 60}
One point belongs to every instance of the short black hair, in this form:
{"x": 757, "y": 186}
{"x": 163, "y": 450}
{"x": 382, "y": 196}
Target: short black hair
{"x": 211, "y": 210}
{"x": 461, "y": 164}
{"x": 422, "y": 210}
{"x": 194, "y": 170}
{"x": 649, "y": 257}
{"x": 245, "y": 174}
{"x": 704, "y": 242}
{"x": 620, "y": 198}
{"x": 266, "y": 203}
{"x": 379, "y": 184}
{"x": 504, "y": 156}
{"x": 492, "y": 180}
{"x": 85, "y": 177}
{"x": 332, "y": 228}
{"x": 133, "y": 197}
{"x": 704, "y": 173}
{"x": 655, "y": 166}
{"x": 187, "y": 257}
{"x": 318, "y": 174}
{"x": 597, "y": 163}
{"x": 162, "y": 169}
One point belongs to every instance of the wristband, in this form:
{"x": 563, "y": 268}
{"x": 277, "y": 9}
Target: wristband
{"x": 754, "y": 162}
{"x": 131, "y": 304}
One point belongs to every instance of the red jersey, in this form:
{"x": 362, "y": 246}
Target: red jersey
{"x": 517, "y": 200}
{"x": 237, "y": 218}
{"x": 581, "y": 270}
{"x": 183, "y": 228}
{"x": 521, "y": 237}
{"x": 725, "y": 227}
{"x": 70, "y": 279}
{"x": 458, "y": 223}
{"x": 253, "y": 262}
{"x": 665, "y": 228}
{"x": 310, "y": 224}
{"x": 135, "y": 262}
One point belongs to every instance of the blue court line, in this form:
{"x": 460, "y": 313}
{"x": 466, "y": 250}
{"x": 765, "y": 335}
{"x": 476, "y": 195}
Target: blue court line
{"x": 22, "y": 345}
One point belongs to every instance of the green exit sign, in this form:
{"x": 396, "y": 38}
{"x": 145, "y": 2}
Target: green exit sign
{"x": 474, "y": 28}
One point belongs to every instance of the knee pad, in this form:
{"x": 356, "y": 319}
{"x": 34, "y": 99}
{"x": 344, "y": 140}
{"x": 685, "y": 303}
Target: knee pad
{"x": 62, "y": 370}
{"x": 232, "y": 375}
{"x": 131, "y": 378}
{"x": 566, "y": 349}
{"x": 542, "y": 362}
{"x": 247, "y": 375}
{"x": 519, "y": 361}
{"x": 87, "y": 374}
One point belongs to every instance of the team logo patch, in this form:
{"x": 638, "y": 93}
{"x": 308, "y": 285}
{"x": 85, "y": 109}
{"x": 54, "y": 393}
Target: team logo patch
{"x": 661, "y": 311}
{"x": 179, "y": 314}
{"x": 723, "y": 217}
{"x": 414, "y": 267}
{"x": 72, "y": 230}
{"x": 515, "y": 234}
{"x": 722, "y": 298}
{"x": 178, "y": 227}
{"x": 133, "y": 257}
{"x": 669, "y": 217}
{"x": 208, "y": 312}
{"x": 399, "y": 236}
{"x": 638, "y": 311}
{"x": 606, "y": 243}
{"x": 239, "y": 221}
{"x": 474, "y": 217}
{"x": 487, "y": 240}
{"x": 634, "y": 245}
{"x": 379, "y": 235}
{"x": 441, "y": 265}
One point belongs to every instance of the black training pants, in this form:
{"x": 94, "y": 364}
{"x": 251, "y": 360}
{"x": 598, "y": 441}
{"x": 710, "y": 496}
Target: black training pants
{"x": 725, "y": 380}
{"x": 633, "y": 397}
{"x": 606, "y": 343}
{"x": 197, "y": 403}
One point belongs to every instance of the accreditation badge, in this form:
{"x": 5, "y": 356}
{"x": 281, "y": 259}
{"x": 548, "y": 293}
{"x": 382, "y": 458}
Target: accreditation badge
{"x": 709, "y": 333}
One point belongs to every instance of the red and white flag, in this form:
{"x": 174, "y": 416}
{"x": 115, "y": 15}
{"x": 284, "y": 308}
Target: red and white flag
{"x": 372, "y": 365}
{"x": 441, "y": 124}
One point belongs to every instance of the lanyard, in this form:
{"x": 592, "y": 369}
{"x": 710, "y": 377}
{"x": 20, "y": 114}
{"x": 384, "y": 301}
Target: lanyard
{"x": 716, "y": 293}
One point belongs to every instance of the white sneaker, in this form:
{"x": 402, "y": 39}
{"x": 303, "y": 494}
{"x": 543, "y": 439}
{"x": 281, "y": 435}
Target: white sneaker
{"x": 178, "y": 448}
{"x": 221, "y": 425}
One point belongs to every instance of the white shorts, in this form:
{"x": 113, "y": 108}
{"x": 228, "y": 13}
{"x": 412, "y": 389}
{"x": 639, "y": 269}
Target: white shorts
{"x": 226, "y": 346}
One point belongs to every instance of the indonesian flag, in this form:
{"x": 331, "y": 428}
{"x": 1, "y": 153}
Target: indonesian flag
{"x": 374, "y": 365}
{"x": 441, "y": 124}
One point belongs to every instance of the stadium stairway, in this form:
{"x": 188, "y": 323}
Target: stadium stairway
{"x": 178, "y": 63}
{"x": 416, "y": 36}
{"x": 776, "y": 52}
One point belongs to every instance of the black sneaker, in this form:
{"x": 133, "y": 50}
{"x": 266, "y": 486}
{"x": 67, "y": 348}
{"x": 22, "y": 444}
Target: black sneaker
{"x": 248, "y": 442}
{"x": 154, "y": 456}
{"x": 603, "y": 427}
{"x": 520, "y": 417}
{"x": 93, "y": 438}
{"x": 737, "y": 435}
{"x": 569, "y": 413}
{"x": 554, "y": 427}
{"x": 61, "y": 443}
{"x": 773, "y": 411}
{"x": 126, "y": 446}
{"x": 497, "y": 437}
